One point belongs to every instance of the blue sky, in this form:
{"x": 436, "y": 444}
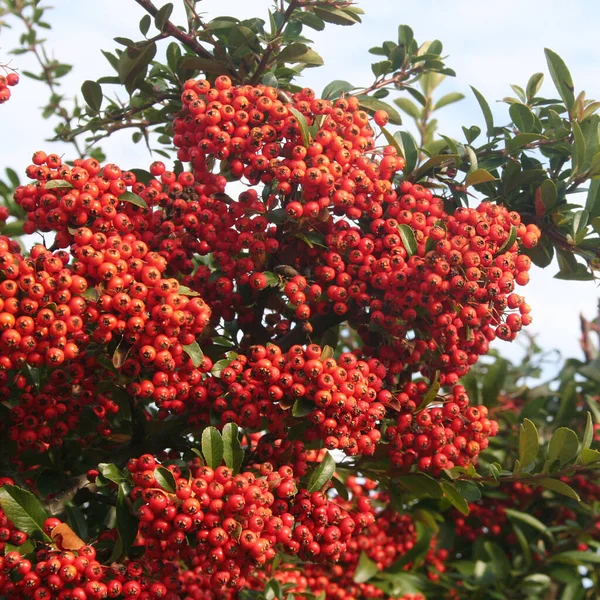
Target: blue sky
{"x": 490, "y": 45}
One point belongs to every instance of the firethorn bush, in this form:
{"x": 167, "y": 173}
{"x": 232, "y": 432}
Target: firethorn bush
{"x": 265, "y": 365}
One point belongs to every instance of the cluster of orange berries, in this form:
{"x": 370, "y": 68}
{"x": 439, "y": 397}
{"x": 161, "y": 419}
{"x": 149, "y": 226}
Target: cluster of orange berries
{"x": 6, "y": 82}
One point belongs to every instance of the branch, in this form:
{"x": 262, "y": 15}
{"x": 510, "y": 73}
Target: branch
{"x": 264, "y": 61}
{"x": 185, "y": 38}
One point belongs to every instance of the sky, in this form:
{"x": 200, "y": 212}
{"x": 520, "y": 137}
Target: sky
{"x": 490, "y": 46}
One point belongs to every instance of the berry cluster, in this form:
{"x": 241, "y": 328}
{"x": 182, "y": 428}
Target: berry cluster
{"x": 6, "y": 82}
{"x": 265, "y": 141}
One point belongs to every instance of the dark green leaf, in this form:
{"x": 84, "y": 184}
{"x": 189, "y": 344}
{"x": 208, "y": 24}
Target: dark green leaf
{"x": 510, "y": 240}
{"x": 522, "y": 139}
{"x": 162, "y": 16}
{"x": 127, "y": 524}
{"x": 500, "y": 563}
{"x": 92, "y": 94}
{"x": 302, "y": 407}
{"x": 233, "y": 454}
{"x": 212, "y": 447}
{"x": 165, "y": 479}
{"x": 23, "y": 510}
{"x": 111, "y": 472}
{"x": 410, "y": 150}
{"x": 454, "y": 497}
{"x": 513, "y": 514}
{"x": 431, "y": 163}
{"x": 322, "y": 474}
{"x": 145, "y": 23}
{"x": 576, "y": 557}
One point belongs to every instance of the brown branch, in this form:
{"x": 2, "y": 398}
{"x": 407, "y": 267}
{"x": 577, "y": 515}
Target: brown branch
{"x": 170, "y": 28}
{"x": 264, "y": 61}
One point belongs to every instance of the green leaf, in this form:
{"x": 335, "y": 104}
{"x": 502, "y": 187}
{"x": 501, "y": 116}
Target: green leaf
{"x": 365, "y": 569}
{"x": 295, "y": 53}
{"x": 76, "y": 519}
{"x": 559, "y": 487}
{"x": 333, "y": 90}
{"x": 523, "y": 139}
{"x": 23, "y": 510}
{"x": 133, "y": 63}
{"x": 432, "y": 392}
{"x": 487, "y": 112}
{"x": 127, "y": 524}
{"x": 133, "y": 199}
{"x": 392, "y": 141}
{"x": 578, "y": 149}
{"x": 165, "y": 479}
{"x": 92, "y": 94}
{"x": 340, "y": 488}
{"x": 57, "y": 183}
{"x": 561, "y": 77}
{"x": 592, "y": 203}
{"x": 407, "y": 235}
{"x": 454, "y": 497}
{"x": 500, "y": 562}
{"x": 589, "y": 456}
{"x": 186, "y": 291}
{"x": 145, "y": 23}
{"x": 543, "y": 254}
{"x": 336, "y": 16}
{"x": 206, "y": 65}
{"x": 410, "y": 150}
{"x": 529, "y": 443}
{"x": 111, "y": 472}
{"x": 432, "y": 162}
{"x": 576, "y": 557}
{"x": 409, "y": 107}
{"x": 302, "y": 407}
{"x": 533, "y": 85}
{"x": 510, "y": 240}
{"x": 564, "y": 445}
{"x": 450, "y": 98}
{"x": 194, "y": 351}
{"x": 302, "y": 124}
{"x": 162, "y": 16}
{"x": 322, "y": 474}
{"x": 522, "y": 117}
{"x": 310, "y": 20}
{"x": 212, "y": 447}
{"x": 588, "y": 434}
{"x": 513, "y": 514}
{"x": 373, "y": 104}
{"x": 233, "y": 454}
{"x": 549, "y": 194}
{"x": 479, "y": 176}
{"x": 419, "y": 485}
